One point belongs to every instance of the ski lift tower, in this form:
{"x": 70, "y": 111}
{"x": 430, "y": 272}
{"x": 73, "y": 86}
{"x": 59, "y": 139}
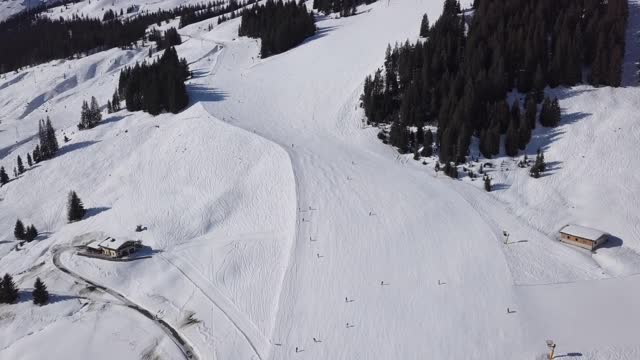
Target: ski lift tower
{"x": 552, "y": 348}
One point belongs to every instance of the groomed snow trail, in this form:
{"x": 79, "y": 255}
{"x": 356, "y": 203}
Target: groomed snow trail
{"x": 365, "y": 219}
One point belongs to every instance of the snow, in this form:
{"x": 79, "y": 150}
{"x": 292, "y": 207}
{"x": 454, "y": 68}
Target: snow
{"x": 113, "y": 243}
{"x": 268, "y": 203}
{"x": 582, "y": 232}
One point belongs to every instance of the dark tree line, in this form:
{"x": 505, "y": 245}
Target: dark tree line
{"x": 46, "y": 149}
{"x": 165, "y": 40}
{"x": 9, "y": 291}
{"x": 459, "y": 76}
{"x": 216, "y": 9}
{"x": 281, "y": 26}
{"x": 31, "y": 38}
{"x": 90, "y": 115}
{"x": 156, "y": 87}
{"x": 48, "y": 146}
{"x": 21, "y": 233}
{"x": 344, "y": 7}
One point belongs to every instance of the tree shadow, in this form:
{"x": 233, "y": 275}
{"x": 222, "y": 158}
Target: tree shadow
{"x": 571, "y": 354}
{"x": 500, "y": 186}
{"x": 95, "y": 211}
{"x": 27, "y": 296}
{"x": 200, "y": 93}
{"x": 320, "y": 33}
{"x": 113, "y": 119}
{"x": 7, "y": 150}
{"x": 16, "y": 79}
{"x": 573, "y": 117}
{"x": 75, "y": 146}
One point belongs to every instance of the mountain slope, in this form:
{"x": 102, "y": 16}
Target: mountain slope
{"x": 288, "y": 231}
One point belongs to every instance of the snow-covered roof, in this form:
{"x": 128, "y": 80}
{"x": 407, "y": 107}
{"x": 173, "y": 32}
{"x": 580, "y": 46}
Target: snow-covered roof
{"x": 95, "y": 245}
{"x": 583, "y": 232}
{"x": 113, "y": 243}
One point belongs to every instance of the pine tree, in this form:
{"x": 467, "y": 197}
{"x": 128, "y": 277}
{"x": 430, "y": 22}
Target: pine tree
{"x": 427, "y": 151}
{"x": 96, "y": 114}
{"x": 4, "y": 178}
{"x": 545, "y": 111}
{"x": 19, "y": 231}
{"x": 511, "y": 140}
{"x": 530, "y": 111}
{"x": 52, "y": 141}
{"x": 524, "y": 134}
{"x": 21, "y": 168}
{"x": 31, "y": 233}
{"x": 8, "y": 290}
{"x": 40, "y": 293}
{"x": 44, "y": 145}
{"x": 424, "y": 26}
{"x": 539, "y": 84}
{"x": 555, "y": 113}
{"x": 36, "y": 154}
{"x": 29, "y": 160}
{"x": 487, "y": 183}
{"x": 84, "y": 116}
{"x": 109, "y": 107}
{"x": 115, "y": 101}
{"x": 75, "y": 208}
{"x": 539, "y": 166}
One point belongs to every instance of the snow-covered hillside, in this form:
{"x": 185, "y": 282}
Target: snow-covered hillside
{"x": 287, "y": 230}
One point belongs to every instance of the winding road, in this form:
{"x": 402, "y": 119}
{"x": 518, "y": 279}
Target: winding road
{"x": 182, "y": 344}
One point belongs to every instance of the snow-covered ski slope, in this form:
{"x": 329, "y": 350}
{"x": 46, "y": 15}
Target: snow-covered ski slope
{"x": 276, "y": 218}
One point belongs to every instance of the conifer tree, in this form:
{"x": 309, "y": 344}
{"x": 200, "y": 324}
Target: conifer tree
{"x": 4, "y": 178}
{"x": 524, "y": 134}
{"x": 42, "y": 136}
{"x": 539, "y": 166}
{"x": 75, "y": 208}
{"x": 427, "y": 151}
{"x": 96, "y": 114}
{"x": 8, "y": 290}
{"x": 539, "y": 84}
{"x": 31, "y": 233}
{"x": 424, "y": 26}
{"x": 530, "y": 112}
{"x": 19, "y": 230}
{"x": 109, "y": 107}
{"x": 40, "y": 293}
{"x": 511, "y": 140}
{"x": 115, "y": 101}
{"x": 84, "y": 116}
{"x": 487, "y": 183}
{"x": 21, "y": 168}
{"x": 36, "y": 154}
{"x": 52, "y": 141}
{"x": 29, "y": 160}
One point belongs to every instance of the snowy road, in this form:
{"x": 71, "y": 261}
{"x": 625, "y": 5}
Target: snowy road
{"x": 171, "y": 332}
